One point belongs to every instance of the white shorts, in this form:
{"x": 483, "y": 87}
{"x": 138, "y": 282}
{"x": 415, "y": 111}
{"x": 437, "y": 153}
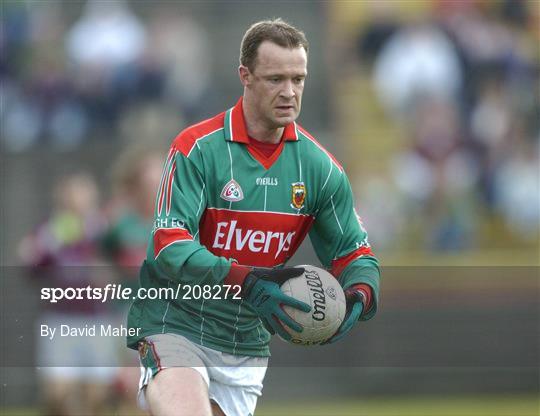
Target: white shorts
{"x": 234, "y": 381}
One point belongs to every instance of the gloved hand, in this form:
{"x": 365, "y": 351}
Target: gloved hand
{"x": 356, "y": 300}
{"x": 261, "y": 289}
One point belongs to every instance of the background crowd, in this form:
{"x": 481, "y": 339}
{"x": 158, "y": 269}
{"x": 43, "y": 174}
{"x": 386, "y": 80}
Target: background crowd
{"x": 450, "y": 88}
{"x": 449, "y": 94}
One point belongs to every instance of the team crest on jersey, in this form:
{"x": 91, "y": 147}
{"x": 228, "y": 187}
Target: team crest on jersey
{"x": 298, "y": 195}
{"x": 143, "y": 349}
{"x": 232, "y": 192}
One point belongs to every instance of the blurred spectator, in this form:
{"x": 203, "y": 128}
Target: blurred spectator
{"x": 21, "y": 118}
{"x": 381, "y": 25}
{"x": 36, "y": 94}
{"x": 491, "y": 117}
{"x": 416, "y": 62}
{"x": 64, "y": 252}
{"x": 437, "y": 176}
{"x": 490, "y": 47}
{"x": 136, "y": 177}
{"x": 107, "y": 36}
{"x": 180, "y": 45}
{"x": 517, "y": 190}
{"x": 69, "y": 236}
{"x": 14, "y": 37}
{"x": 106, "y": 49}
{"x": 461, "y": 84}
{"x": 382, "y": 210}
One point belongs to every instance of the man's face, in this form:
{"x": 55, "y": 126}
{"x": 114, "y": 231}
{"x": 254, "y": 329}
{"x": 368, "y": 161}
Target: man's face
{"x": 276, "y": 84}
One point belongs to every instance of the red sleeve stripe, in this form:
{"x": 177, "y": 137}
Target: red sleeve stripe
{"x": 164, "y": 237}
{"x": 338, "y": 265}
{"x": 237, "y": 274}
{"x": 368, "y": 293}
{"x": 160, "y": 198}
{"x": 169, "y": 189}
{"x": 163, "y": 175}
{"x": 165, "y": 183}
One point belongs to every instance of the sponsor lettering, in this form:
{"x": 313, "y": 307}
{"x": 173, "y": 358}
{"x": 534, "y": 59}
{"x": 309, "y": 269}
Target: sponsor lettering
{"x": 168, "y": 222}
{"x": 317, "y": 291}
{"x": 263, "y": 239}
{"x": 267, "y": 181}
{"x": 230, "y": 237}
{"x": 160, "y": 223}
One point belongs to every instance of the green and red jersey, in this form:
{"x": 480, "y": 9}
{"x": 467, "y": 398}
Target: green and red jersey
{"x": 222, "y": 201}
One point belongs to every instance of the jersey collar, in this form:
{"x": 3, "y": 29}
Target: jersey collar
{"x": 235, "y": 126}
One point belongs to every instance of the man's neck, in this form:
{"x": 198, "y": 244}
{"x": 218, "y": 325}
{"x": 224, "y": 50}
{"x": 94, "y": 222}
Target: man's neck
{"x": 256, "y": 128}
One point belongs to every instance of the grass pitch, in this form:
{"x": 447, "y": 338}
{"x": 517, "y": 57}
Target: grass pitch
{"x": 523, "y": 405}
{"x": 468, "y": 406}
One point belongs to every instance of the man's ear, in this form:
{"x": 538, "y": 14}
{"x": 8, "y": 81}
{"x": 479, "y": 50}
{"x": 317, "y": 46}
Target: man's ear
{"x": 245, "y": 75}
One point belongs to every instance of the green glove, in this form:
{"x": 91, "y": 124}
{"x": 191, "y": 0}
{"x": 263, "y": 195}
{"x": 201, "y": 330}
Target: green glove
{"x": 355, "y": 307}
{"x": 261, "y": 290}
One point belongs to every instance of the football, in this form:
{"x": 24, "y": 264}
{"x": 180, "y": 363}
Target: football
{"x": 323, "y": 293}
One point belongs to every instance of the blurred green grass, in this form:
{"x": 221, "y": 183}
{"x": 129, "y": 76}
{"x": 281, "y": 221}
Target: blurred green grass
{"x": 527, "y": 405}
{"x": 501, "y": 405}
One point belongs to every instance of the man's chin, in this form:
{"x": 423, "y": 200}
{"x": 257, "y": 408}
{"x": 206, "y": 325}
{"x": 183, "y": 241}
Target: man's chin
{"x": 284, "y": 121}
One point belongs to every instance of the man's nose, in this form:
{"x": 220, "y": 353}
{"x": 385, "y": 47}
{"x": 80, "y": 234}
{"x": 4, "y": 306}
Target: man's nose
{"x": 288, "y": 89}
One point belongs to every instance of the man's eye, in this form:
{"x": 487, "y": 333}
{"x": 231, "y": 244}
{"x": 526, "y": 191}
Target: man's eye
{"x": 274, "y": 80}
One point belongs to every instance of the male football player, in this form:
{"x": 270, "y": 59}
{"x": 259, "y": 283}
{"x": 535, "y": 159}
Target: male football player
{"x": 239, "y": 193}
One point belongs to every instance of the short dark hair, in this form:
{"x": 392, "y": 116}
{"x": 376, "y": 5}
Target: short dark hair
{"x": 277, "y": 31}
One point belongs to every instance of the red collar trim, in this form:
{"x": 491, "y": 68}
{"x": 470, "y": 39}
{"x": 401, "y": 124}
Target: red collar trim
{"x": 235, "y": 126}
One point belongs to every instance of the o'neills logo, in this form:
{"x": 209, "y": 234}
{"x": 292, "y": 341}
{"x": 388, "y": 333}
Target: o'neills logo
{"x": 229, "y": 237}
{"x": 317, "y": 292}
{"x": 232, "y": 191}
